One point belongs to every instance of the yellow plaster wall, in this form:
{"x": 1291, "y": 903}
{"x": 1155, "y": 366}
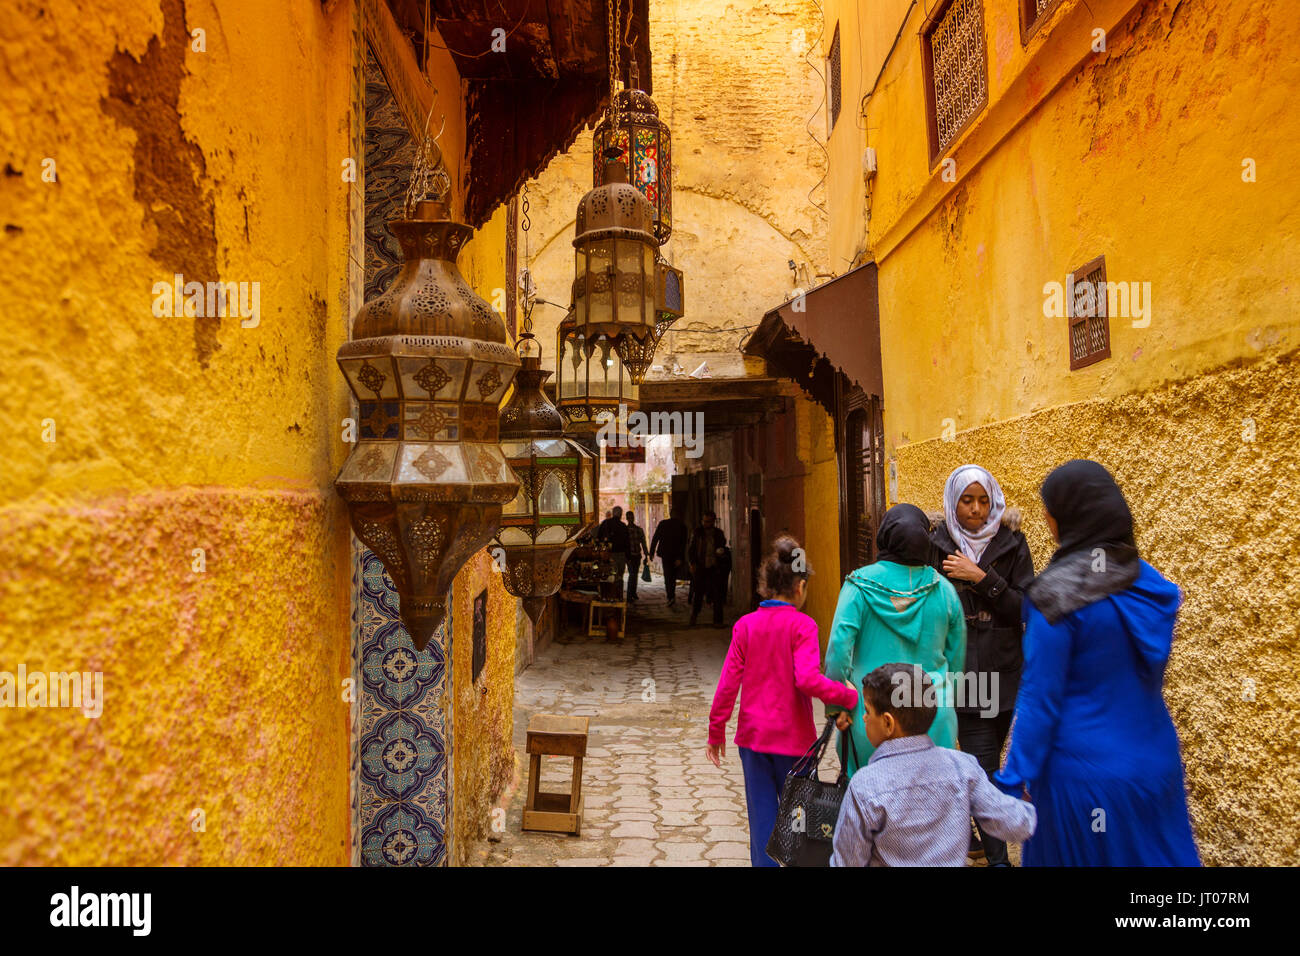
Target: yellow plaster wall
{"x": 223, "y": 688}
{"x": 815, "y": 433}
{"x": 1210, "y": 509}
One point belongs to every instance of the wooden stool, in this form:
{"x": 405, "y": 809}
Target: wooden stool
{"x": 596, "y": 624}
{"x": 555, "y": 736}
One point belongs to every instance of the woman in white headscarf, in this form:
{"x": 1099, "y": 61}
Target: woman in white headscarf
{"x": 979, "y": 548}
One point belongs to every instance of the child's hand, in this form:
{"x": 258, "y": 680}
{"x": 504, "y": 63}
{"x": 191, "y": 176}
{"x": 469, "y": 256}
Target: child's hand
{"x": 843, "y": 720}
{"x": 715, "y": 753}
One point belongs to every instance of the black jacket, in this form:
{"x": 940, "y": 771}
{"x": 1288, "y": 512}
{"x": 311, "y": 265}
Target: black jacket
{"x": 993, "y": 625}
{"x": 700, "y": 545}
{"x": 669, "y": 541}
{"x": 614, "y": 531}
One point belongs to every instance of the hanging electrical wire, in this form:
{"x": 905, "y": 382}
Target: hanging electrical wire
{"x": 821, "y": 32}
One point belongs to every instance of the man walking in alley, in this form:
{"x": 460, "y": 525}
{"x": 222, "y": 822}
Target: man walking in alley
{"x": 670, "y": 542}
{"x": 704, "y": 555}
{"x": 636, "y": 553}
{"x": 614, "y": 531}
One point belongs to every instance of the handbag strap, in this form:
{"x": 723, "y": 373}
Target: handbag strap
{"x": 806, "y": 765}
{"x": 847, "y": 735}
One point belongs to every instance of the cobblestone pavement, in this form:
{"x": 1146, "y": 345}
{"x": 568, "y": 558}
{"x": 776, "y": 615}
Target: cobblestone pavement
{"x": 651, "y": 796}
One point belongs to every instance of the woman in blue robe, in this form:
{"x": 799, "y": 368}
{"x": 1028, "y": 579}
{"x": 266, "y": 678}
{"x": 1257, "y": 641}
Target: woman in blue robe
{"x": 1093, "y": 743}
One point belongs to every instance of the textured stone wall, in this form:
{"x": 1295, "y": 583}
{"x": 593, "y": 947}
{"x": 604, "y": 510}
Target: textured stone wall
{"x": 736, "y": 95}
{"x": 1211, "y": 510}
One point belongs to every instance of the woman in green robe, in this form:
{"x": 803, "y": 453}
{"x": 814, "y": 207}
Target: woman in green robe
{"x": 898, "y": 610}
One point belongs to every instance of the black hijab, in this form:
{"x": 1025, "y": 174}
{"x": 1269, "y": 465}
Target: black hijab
{"x": 904, "y": 536}
{"x": 1090, "y": 511}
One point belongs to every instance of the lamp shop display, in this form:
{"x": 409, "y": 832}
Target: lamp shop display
{"x": 558, "y": 481}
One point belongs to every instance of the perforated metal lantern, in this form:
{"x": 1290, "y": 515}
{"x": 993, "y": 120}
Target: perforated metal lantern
{"x": 428, "y": 363}
{"x": 642, "y": 142}
{"x": 615, "y": 278}
{"x": 591, "y": 381}
{"x": 557, "y": 494}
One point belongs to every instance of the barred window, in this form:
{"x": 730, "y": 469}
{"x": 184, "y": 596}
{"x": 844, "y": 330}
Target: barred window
{"x": 833, "y": 76}
{"x": 955, "y": 61}
{"x": 1032, "y": 15}
{"x": 1085, "y": 304}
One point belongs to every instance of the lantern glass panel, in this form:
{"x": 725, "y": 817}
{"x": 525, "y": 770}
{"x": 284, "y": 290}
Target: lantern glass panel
{"x": 600, "y": 299}
{"x": 553, "y": 534}
{"x": 553, "y": 500}
{"x": 521, "y": 505}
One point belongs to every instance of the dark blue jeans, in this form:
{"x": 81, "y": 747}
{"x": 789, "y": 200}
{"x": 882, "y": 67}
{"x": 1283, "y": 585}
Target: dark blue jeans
{"x": 764, "y": 778}
{"x": 633, "y": 566}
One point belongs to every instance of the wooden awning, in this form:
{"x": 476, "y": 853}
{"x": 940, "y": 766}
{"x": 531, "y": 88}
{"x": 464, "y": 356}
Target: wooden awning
{"x": 529, "y": 102}
{"x": 832, "y": 333}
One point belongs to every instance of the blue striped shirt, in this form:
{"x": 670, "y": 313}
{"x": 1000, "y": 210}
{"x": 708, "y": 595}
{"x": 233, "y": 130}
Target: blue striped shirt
{"x": 911, "y": 806}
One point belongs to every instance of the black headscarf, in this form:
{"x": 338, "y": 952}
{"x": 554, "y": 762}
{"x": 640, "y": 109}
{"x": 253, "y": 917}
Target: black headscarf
{"x": 904, "y": 536}
{"x": 1090, "y": 511}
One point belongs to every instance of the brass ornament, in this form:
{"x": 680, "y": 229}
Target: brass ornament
{"x": 427, "y": 498}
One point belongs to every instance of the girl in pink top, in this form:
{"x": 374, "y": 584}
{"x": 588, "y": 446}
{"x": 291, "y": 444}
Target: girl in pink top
{"x": 773, "y": 662}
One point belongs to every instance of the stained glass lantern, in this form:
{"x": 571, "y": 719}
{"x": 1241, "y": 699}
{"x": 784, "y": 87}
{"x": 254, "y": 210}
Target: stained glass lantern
{"x": 557, "y": 494}
{"x": 614, "y": 286}
{"x": 643, "y": 144}
{"x": 591, "y": 381}
{"x": 429, "y": 364}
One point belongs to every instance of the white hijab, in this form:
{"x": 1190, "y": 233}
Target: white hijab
{"x": 972, "y": 543}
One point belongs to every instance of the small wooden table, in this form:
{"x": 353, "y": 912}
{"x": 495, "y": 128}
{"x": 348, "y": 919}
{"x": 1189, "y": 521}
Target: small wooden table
{"x": 553, "y": 735}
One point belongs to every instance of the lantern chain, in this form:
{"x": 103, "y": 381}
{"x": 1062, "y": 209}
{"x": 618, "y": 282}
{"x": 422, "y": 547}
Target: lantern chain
{"x": 612, "y": 7}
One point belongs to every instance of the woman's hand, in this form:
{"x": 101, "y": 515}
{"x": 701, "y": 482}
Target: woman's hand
{"x": 715, "y": 753}
{"x": 843, "y": 720}
{"x": 962, "y": 568}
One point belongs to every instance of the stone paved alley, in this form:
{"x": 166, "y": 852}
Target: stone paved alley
{"x": 651, "y": 795}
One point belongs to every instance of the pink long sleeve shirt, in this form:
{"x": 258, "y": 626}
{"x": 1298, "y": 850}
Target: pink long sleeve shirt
{"x": 773, "y": 662}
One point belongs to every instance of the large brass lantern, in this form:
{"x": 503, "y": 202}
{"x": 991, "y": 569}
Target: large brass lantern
{"x": 615, "y": 279}
{"x": 591, "y": 381}
{"x": 428, "y": 363}
{"x": 642, "y": 143}
{"x": 557, "y": 490}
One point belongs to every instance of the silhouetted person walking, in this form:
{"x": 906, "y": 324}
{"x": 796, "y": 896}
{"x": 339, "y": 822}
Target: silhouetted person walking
{"x": 636, "y": 551}
{"x": 613, "y": 530}
{"x": 705, "y": 555}
{"x": 670, "y": 542}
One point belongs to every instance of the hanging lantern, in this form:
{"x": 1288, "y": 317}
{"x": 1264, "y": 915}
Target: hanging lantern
{"x": 428, "y": 363}
{"x": 557, "y": 493}
{"x": 640, "y": 140}
{"x": 614, "y": 286}
{"x": 591, "y": 381}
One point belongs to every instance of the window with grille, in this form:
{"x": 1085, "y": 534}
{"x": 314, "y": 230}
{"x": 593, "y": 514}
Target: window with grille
{"x": 1085, "y": 304}
{"x": 1032, "y": 15}
{"x": 955, "y": 62}
{"x": 833, "y": 76}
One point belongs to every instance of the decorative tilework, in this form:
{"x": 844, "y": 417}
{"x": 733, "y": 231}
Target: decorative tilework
{"x": 401, "y": 758}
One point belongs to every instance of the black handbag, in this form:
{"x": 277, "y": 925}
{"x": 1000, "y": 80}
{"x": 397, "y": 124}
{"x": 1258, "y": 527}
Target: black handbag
{"x": 805, "y": 819}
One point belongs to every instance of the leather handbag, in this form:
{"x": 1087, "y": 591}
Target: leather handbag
{"x": 809, "y": 809}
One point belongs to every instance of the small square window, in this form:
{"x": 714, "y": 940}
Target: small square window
{"x": 1033, "y": 14}
{"x": 1085, "y": 304}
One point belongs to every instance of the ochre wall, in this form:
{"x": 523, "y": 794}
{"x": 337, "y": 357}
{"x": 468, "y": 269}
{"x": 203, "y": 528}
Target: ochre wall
{"x": 223, "y": 688}
{"x": 1210, "y": 509}
{"x": 1135, "y": 153}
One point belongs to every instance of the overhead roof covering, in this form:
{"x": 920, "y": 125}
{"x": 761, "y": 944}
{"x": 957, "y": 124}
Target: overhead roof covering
{"x": 529, "y": 102}
{"x": 834, "y": 330}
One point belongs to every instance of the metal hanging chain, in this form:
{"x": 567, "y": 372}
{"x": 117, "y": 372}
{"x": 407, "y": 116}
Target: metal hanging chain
{"x": 525, "y": 279}
{"x": 612, "y": 7}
